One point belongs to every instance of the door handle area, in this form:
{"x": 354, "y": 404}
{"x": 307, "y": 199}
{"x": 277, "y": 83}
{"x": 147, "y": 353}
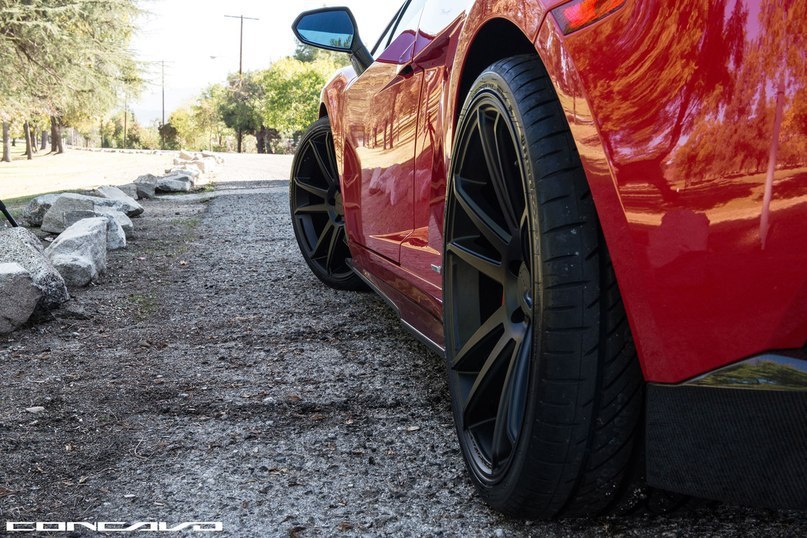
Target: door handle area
{"x": 406, "y": 71}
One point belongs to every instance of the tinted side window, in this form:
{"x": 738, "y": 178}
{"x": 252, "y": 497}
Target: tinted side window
{"x": 409, "y": 20}
{"x": 385, "y": 37}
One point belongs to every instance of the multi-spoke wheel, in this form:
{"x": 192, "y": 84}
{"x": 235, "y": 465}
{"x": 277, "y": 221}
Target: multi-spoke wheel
{"x": 317, "y": 211}
{"x": 545, "y": 385}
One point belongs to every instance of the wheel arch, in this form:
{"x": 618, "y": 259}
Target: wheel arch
{"x": 495, "y": 40}
{"x": 490, "y": 39}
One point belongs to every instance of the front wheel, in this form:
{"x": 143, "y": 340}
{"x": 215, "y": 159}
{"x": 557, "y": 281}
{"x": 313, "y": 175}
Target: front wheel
{"x": 545, "y": 386}
{"x": 317, "y": 211}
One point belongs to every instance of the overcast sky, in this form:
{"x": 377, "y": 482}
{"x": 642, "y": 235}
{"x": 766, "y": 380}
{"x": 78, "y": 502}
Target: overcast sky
{"x": 200, "y": 45}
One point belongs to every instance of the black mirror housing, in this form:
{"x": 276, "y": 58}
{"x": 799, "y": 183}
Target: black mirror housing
{"x": 333, "y": 28}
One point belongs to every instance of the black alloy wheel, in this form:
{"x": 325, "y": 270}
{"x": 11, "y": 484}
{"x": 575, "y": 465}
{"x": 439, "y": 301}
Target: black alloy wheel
{"x": 317, "y": 210}
{"x": 492, "y": 285}
{"x": 546, "y": 390}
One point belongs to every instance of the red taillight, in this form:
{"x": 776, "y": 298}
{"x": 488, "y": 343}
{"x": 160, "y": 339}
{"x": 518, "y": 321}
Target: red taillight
{"x": 580, "y": 13}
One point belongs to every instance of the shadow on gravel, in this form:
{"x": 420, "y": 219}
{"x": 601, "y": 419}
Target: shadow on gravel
{"x": 217, "y": 380}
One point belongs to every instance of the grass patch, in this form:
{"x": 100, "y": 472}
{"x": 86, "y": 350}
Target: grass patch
{"x": 146, "y": 305}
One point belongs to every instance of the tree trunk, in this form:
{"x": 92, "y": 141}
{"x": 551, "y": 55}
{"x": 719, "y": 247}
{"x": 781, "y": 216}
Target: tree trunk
{"x": 53, "y": 132}
{"x": 240, "y": 137}
{"x": 6, "y": 144}
{"x": 26, "y": 128}
{"x": 44, "y": 142}
{"x": 57, "y": 145}
{"x": 260, "y": 135}
{"x": 34, "y": 141}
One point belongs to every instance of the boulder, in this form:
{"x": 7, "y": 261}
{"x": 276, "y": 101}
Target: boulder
{"x": 210, "y": 155}
{"x": 202, "y": 166}
{"x": 145, "y": 186}
{"x": 129, "y": 204}
{"x": 72, "y": 217}
{"x": 123, "y": 221}
{"x": 58, "y": 218}
{"x": 20, "y": 246}
{"x": 186, "y": 156}
{"x": 35, "y": 211}
{"x": 115, "y": 236}
{"x": 206, "y": 165}
{"x": 20, "y": 296}
{"x": 79, "y": 253}
{"x": 175, "y": 183}
{"x": 183, "y": 170}
{"x": 130, "y": 190}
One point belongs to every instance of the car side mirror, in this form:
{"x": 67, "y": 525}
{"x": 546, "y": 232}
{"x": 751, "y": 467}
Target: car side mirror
{"x": 333, "y": 28}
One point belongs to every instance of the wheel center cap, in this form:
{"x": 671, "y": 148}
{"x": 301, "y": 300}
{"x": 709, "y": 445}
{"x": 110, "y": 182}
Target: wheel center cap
{"x": 525, "y": 288}
{"x": 337, "y": 208}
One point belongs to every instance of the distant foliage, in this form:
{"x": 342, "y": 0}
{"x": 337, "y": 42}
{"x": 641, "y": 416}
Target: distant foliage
{"x": 65, "y": 62}
{"x": 271, "y": 105}
{"x": 292, "y": 90}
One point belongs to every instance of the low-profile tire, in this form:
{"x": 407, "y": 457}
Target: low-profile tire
{"x": 546, "y": 390}
{"x": 317, "y": 212}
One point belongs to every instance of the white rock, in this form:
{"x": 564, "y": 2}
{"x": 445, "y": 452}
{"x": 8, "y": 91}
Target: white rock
{"x": 204, "y": 166}
{"x": 130, "y": 205}
{"x": 175, "y": 183}
{"x": 18, "y": 245}
{"x": 210, "y": 155}
{"x": 35, "y": 409}
{"x": 121, "y": 219}
{"x": 184, "y": 170}
{"x": 145, "y": 186}
{"x": 59, "y": 218}
{"x": 115, "y": 236}
{"x": 79, "y": 253}
{"x": 130, "y": 190}
{"x": 35, "y": 211}
{"x": 19, "y": 296}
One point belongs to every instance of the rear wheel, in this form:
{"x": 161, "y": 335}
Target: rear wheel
{"x": 317, "y": 212}
{"x": 546, "y": 390}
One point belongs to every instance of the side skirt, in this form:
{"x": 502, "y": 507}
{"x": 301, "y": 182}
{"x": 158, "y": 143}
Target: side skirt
{"x": 428, "y": 342}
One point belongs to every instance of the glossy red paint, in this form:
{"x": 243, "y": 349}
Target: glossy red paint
{"x": 691, "y": 121}
{"x": 686, "y": 114}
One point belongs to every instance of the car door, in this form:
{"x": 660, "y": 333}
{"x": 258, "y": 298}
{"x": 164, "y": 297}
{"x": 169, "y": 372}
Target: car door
{"x": 380, "y": 128}
{"x": 421, "y": 252}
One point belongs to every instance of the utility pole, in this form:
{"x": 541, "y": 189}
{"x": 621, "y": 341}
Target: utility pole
{"x": 162, "y": 124}
{"x": 241, "y": 61}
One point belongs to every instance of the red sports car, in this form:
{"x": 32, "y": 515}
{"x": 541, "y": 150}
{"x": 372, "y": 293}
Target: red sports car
{"x": 596, "y": 211}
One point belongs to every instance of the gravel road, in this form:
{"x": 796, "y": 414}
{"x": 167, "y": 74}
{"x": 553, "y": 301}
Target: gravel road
{"x": 217, "y": 380}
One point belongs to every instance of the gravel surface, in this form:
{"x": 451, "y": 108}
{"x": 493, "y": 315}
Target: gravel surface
{"x": 217, "y": 380}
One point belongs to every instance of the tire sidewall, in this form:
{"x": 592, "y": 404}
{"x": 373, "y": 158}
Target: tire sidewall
{"x": 499, "y": 495}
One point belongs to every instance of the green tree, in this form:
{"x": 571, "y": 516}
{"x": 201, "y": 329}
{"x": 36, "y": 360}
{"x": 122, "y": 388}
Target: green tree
{"x": 207, "y": 116}
{"x": 67, "y": 59}
{"x": 241, "y": 104}
{"x": 291, "y": 92}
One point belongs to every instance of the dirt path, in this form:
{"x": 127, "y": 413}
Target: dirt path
{"x": 217, "y": 380}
